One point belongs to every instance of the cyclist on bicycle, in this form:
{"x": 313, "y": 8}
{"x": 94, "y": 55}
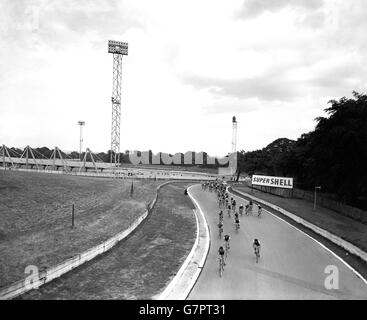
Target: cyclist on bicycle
{"x": 221, "y": 254}
{"x": 220, "y": 215}
{"x": 250, "y": 206}
{"x": 247, "y": 209}
{"x": 227, "y": 238}
{"x": 220, "y": 227}
{"x": 260, "y": 210}
{"x": 234, "y": 204}
{"x": 256, "y": 246}
{"x": 237, "y": 222}
{"x": 236, "y": 215}
{"x": 229, "y": 210}
{"x": 241, "y": 209}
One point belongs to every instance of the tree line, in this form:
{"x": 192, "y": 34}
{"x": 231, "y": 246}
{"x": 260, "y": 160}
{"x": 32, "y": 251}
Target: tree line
{"x": 333, "y": 155}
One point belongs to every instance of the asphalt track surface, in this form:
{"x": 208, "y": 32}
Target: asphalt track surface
{"x": 291, "y": 266}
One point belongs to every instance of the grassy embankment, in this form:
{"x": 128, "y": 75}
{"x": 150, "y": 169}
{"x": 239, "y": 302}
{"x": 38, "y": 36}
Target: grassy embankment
{"x": 140, "y": 266}
{"x": 35, "y": 216}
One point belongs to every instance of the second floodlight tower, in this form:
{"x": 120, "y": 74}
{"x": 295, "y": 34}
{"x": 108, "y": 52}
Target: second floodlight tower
{"x": 234, "y": 134}
{"x": 118, "y": 49}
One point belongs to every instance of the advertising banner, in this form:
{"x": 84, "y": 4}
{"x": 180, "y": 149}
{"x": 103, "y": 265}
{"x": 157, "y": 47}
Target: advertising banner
{"x": 269, "y": 181}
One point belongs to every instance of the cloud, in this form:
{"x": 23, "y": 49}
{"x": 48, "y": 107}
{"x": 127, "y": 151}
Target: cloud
{"x": 232, "y": 106}
{"x": 269, "y": 87}
{"x": 254, "y": 8}
{"x": 59, "y": 23}
{"x": 313, "y": 20}
{"x": 325, "y": 76}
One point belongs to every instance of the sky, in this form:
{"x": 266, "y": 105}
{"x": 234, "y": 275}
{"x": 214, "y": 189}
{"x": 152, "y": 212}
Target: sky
{"x": 191, "y": 66}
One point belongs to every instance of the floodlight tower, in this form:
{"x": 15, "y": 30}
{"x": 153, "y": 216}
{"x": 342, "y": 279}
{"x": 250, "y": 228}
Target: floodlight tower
{"x": 234, "y": 134}
{"x": 81, "y": 124}
{"x": 118, "y": 49}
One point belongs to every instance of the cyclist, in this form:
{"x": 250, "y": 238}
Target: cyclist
{"x": 221, "y": 255}
{"x": 229, "y": 210}
{"x": 220, "y": 227}
{"x": 236, "y": 215}
{"x": 237, "y": 222}
{"x": 260, "y": 210}
{"x": 256, "y": 246}
{"x": 233, "y": 204}
{"x": 220, "y": 215}
{"x": 247, "y": 209}
{"x": 241, "y": 209}
{"x": 250, "y": 206}
{"x": 227, "y": 238}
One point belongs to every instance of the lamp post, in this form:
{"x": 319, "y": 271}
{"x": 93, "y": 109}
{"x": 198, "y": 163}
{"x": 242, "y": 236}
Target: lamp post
{"x": 314, "y": 204}
{"x": 81, "y": 124}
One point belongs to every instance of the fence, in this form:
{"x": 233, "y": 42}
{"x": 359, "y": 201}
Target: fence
{"x": 349, "y": 211}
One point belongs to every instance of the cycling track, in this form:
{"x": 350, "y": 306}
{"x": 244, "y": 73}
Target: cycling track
{"x": 291, "y": 266}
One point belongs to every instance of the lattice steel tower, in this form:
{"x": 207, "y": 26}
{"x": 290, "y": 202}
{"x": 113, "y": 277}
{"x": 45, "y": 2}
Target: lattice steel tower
{"x": 234, "y": 134}
{"x": 118, "y": 49}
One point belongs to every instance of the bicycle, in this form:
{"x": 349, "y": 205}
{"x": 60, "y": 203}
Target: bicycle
{"x": 237, "y": 224}
{"x": 257, "y": 254}
{"x": 220, "y": 232}
{"x": 227, "y": 248}
{"x": 221, "y": 266}
{"x": 259, "y": 212}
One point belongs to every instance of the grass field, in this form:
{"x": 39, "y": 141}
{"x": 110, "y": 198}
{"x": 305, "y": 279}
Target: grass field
{"x": 35, "y": 216}
{"x": 140, "y": 266}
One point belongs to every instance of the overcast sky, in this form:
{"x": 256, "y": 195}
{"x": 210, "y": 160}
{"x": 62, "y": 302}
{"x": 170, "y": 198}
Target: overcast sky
{"x": 192, "y": 65}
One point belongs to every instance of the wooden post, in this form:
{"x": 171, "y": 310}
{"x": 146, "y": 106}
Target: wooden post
{"x": 4, "y": 157}
{"x": 72, "y": 216}
{"x": 132, "y": 188}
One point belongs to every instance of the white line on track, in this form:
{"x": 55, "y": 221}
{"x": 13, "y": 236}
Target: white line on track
{"x": 318, "y": 242}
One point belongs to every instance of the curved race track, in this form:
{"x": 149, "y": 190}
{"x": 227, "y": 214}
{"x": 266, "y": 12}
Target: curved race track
{"x": 292, "y": 265}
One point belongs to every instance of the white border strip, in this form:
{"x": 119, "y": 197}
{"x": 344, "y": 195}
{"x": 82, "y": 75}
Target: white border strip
{"x": 178, "y": 275}
{"x": 192, "y": 268}
{"x": 318, "y": 242}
